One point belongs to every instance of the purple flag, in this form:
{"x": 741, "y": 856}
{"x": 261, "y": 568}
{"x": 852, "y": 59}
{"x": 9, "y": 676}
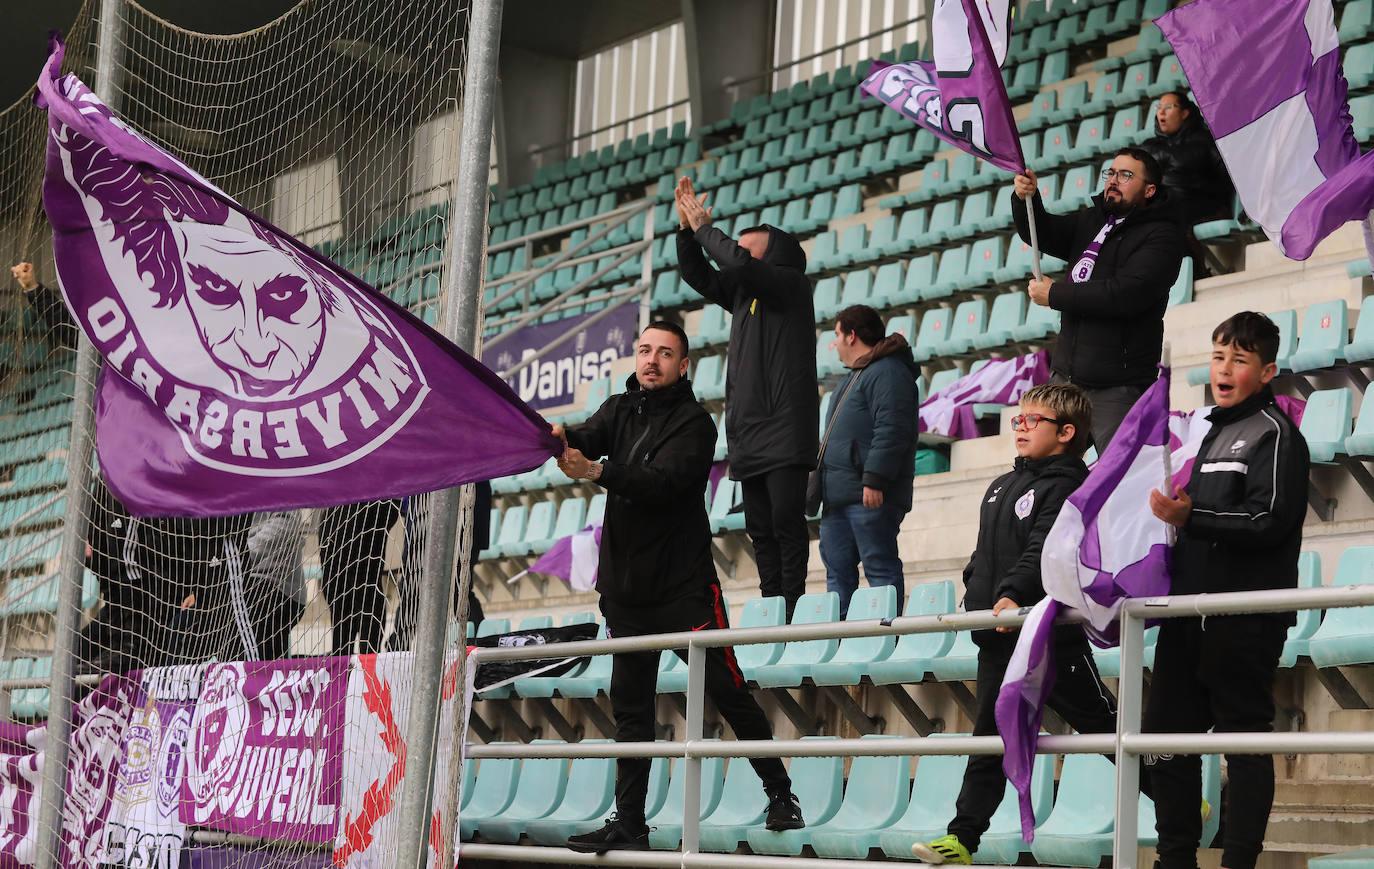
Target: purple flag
{"x": 959, "y": 96}
{"x": 949, "y": 412}
{"x": 243, "y": 370}
{"x": 1106, "y": 546}
{"x": 573, "y": 559}
{"x": 1267, "y": 77}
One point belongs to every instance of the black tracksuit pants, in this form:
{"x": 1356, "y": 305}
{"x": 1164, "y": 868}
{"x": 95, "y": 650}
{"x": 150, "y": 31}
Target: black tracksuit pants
{"x": 1218, "y": 675}
{"x": 352, "y": 556}
{"x": 775, "y": 518}
{"x": 1079, "y": 696}
{"x": 634, "y": 679}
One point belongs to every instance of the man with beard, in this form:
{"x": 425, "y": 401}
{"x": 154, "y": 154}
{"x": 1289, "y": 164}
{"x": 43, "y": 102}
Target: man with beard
{"x": 1126, "y": 248}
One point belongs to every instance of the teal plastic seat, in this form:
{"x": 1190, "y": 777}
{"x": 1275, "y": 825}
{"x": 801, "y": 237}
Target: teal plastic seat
{"x": 904, "y": 325}
{"x": 1300, "y": 634}
{"x": 708, "y": 380}
{"x": 1108, "y": 661}
{"x": 1041, "y": 322}
{"x": 969, "y": 321}
{"x": 760, "y": 612}
{"x": 1361, "y": 346}
{"x": 538, "y": 529}
{"x": 511, "y": 538}
{"x": 1326, "y": 423}
{"x": 493, "y": 790}
{"x": 1362, "y": 858}
{"x": 949, "y": 277}
{"x": 1287, "y": 321}
{"x": 1357, "y": 22}
{"x": 935, "y": 326}
{"x": 1135, "y": 84}
{"x": 823, "y": 249}
{"x": 1055, "y": 146}
{"x": 1346, "y": 635}
{"x": 934, "y": 789}
{"x": 1078, "y": 831}
{"x": 870, "y": 806}
{"x": 799, "y": 657}
{"x": 1361, "y": 441}
{"x": 984, "y": 259}
{"x": 1169, "y": 77}
{"x": 858, "y": 290}
{"x": 1358, "y": 66}
{"x": 588, "y": 797}
{"x": 856, "y": 655}
{"x": 1007, "y": 313}
{"x": 944, "y": 218}
{"x": 909, "y": 229}
{"x": 852, "y": 243}
{"x": 714, "y": 326}
{"x": 591, "y": 680}
{"x": 724, "y": 514}
{"x": 665, "y": 824}
{"x": 827, "y": 360}
{"x": 960, "y": 662}
{"x": 912, "y": 655}
{"x": 572, "y": 513}
{"x": 742, "y": 805}
{"x": 1126, "y": 129}
{"x": 1181, "y": 292}
{"x": 826, "y": 298}
{"x": 1324, "y": 336}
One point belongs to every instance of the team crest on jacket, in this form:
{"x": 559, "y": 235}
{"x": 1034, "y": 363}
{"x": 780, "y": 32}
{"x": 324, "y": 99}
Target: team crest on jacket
{"x": 1024, "y": 504}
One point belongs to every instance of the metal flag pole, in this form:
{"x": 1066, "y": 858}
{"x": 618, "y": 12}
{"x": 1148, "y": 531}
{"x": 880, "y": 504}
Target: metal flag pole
{"x": 1165, "y": 361}
{"x": 1034, "y": 238}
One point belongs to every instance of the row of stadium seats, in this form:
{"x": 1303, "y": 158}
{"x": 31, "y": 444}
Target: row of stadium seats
{"x": 1326, "y": 340}
{"x": 27, "y": 703}
{"x": 880, "y": 806}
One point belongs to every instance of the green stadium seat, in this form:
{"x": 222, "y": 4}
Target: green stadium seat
{"x": 827, "y": 298}
{"x": 1043, "y": 108}
{"x": 1323, "y": 338}
{"x": 1287, "y": 321}
{"x": 1169, "y": 77}
{"x": 1078, "y": 830}
{"x": 872, "y": 807}
{"x": 510, "y": 540}
{"x": 858, "y": 290}
{"x": 539, "y": 526}
{"x": 854, "y": 657}
{"x": 589, "y": 795}
{"x": 539, "y": 790}
{"x": 884, "y": 232}
{"x": 935, "y": 325}
{"x": 800, "y": 656}
{"x": 823, "y": 249}
{"x": 1135, "y": 84}
{"x": 910, "y": 658}
{"x": 1181, "y": 292}
{"x": 1089, "y": 141}
{"x": 1362, "y": 858}
{"x": 960, "y": 662}
{"x": 920, "y": 277}
{"x": 963, "y": 168}
{"x": 1362, "y": 110}
{"x": 904, "y": 325}
{"x": 708, "y": 380}
{"x": 1346, "y": 635}
{"x": 887, "y": 286}
{"x": 984, "y": 259}
{"x": 665, "y": 824}
{"x": 1360, "y": 444}
{"x": 714, "y": 327}
{"x": 1080, "y": 183}
{"x": 852, "y": 243}
{"x": 949, "y": 278}
{"x": 760, "y": 612}
{"x": 1300, "y": 634}
{"x": 725, "y": 513}
{"x": 492, "y": 792}
{"x": 796, "y": 183}
{"x": 1055, "y": 147}
{"x": 1007, "y": 313}
{"x": 910, "y": 229}
{"x": 848, "y": 201}
{"x": 1104, "y": 92}
{"x": 1358, "y": 66}
{"x": 1024, "y": 79}
{"x": 1126, "y": 129}
{"x": 1108, "y": 661}
{"x": 944, "y": 218}
{"x": 970, "y": 319}
{"x": 1357, "y": 22}
{"x": 1326, "y": 423}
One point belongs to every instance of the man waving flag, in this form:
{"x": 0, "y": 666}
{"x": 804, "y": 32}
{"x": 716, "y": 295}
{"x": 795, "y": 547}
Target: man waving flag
{"x": 244, "y": 371}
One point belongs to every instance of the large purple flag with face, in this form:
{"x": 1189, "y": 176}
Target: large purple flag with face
{"x": 1267, "y": 77}
{"x": 1106, "y": 546}
{"x": 960, "y": 95}
{"x": 243, "y": 371}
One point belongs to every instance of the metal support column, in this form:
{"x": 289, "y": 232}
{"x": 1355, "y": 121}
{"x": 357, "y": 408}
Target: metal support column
{"x": 1128, "y": 723}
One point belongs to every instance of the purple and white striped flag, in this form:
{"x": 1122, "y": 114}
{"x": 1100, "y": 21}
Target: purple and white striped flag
{"x": 573, "y": 559}
{"x": 960, "y": 95}
{"x": 1267, "y": 77}
{"x": 949, "y": 412}
{"x": 1106, "y": 546}
{"x": 244, "y": 371}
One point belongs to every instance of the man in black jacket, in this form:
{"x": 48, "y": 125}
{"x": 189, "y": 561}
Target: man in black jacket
{"x": 656, "y": 574}
{"x": 1126, "y": 249}
{"x": 772, "y": 405}
{"x": 61, "y": 330}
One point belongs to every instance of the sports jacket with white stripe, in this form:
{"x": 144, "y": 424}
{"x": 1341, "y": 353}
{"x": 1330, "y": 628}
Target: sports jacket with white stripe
{"x": 1249, "y": 491}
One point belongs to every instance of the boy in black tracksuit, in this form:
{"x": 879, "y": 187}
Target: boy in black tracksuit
{"x": 1240, "y": 529}
{"x": 655, "y": 573}
{"x": 1051, "y": 433}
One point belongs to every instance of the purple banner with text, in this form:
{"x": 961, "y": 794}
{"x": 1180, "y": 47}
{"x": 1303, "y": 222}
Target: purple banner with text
{"x": 552, "y": 379}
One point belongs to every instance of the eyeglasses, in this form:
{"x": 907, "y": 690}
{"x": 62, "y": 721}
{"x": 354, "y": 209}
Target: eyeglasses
{"x": 1031, "y": 420}
{"x": 1164, "y": 107}
{"x": 1122, "y": 175}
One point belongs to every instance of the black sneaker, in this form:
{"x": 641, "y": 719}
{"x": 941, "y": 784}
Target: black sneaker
{"x": 614, "y": 836}
{"x": 784, "y": 812}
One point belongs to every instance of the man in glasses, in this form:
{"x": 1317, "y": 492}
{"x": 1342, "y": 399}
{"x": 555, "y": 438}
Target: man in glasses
{"x": 1125, "y": 249}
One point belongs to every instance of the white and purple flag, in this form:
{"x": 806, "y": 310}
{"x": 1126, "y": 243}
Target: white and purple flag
{"x": 244, "y": 371}
{"x": 1267, "y": 77}
{"x": 949, "y": 412}
{"x": 960, "y": 95}
{"x": 573, "y": 559}
{"x": 1106, "y": 546}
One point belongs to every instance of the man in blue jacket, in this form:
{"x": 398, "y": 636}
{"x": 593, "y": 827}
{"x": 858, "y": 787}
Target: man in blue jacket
{"x": 870, "y": 453}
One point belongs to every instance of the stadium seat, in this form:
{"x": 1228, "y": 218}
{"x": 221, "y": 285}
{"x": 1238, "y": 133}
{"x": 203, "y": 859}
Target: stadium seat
{"x": 494, "y": 789}
{"x": 934, "y": 327}
{"x": 960, "y": 662}
{"x": 823, "y": 248}
{"x": 542, "y": 783}
{"x": 1135, "y": 84}
{"x": 1358, "y": 66}
{"x": 1169, "y": 77}
{"x": 887, "y": 286}
{"x": 1055, "y": 146}
{"x": 1008, "y": 312}
{"x": 910, "y": 658}
{"x": 1072, "y": 98}
{"x": 1287, "y": 321}
{"x": 714, "y": 326}
{"x": 1326, "y": 423}
{"x": 949, "y": 277}
{"x": 904, "y": 325}
{"x": 934, "y": 789}
{"x": 854, "y": 657}
{"x": 1181, "y": 292}
{"x": 827, "y": 360}
{"x": 1357, "y": 22}
{"x": 1361, "y": 346}
{"x": 1104, "y": 92}
{"x": 968, "y": 323}
{"x": 538, "y": 529}
{"x": 511, "y": 538}
{"x": 1362, "y": 111}
{"x": 665, "y": 825}
{"x": 1108, "y": 661}
{"x": 1346, "y": 634}
{"x": 1360, "y": 444}
{"x": 1126, "y": 129}
{"x": 798, "y": 657}
{"x": 880, "y": 800}
{"x": 759, "y": 612}
{"x": 571, "y": 515}
{"x": 726, "y": 514}
{"x": 742, "y": 805}
{"x": 1323, "y": 337}
{"x": 1088, "y": 142}
{"x": 852, "y": 243}
{"x": 858, "y": 290}
{"x": 708, "y": 378}
{"x": 588, "y": 797}
{"x": 1299, "y": 639}
{"x": 984, "y": 259}
{"x": 1078, "y": 830}
{"x": 826, "y": 298}
{"x": 910, "y": 228}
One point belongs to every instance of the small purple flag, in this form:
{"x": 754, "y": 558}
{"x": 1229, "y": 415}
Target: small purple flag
{"x": 244, "y": 371}
{"x": 949, "y": 412}
{"x": 1267, "y": 78}
{"x": 1106, "y": 546}
{"x": 573, "y": 559}
{"x": 960, "y": 95}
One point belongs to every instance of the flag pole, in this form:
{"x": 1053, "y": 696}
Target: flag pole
{"x": 1165, "y": 362}
{"x": 1034, "y": 239}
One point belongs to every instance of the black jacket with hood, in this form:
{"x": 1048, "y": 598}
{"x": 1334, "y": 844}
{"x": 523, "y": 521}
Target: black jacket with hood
{"x": 656, "y": 539}
{"x": 772, "y": 406}
{"x": 873, "y": 433}
{"x": 1194, "y": 174}
{"x": 1016, "y": 515}
{"x": 1249, "y": 491}
{"x": 1111, "y": 326}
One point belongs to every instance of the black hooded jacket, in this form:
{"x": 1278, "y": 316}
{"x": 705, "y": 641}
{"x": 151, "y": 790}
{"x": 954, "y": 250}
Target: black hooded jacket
{"x": 1111, "y": 326}
{"x": 873, "y": 430}
{"x": 1016, "y": 515}
{"x": 656, "y": 540}
{"x": 771, "y": 402}
{"x": 1194, "y": 175}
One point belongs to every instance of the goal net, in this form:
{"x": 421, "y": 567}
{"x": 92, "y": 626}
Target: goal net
{"x": 244, "y": 682}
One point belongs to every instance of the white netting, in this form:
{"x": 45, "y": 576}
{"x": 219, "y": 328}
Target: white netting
{"x": 339, "y": 123}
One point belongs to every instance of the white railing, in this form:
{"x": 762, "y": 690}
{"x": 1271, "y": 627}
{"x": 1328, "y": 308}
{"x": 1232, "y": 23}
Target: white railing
{"x": 1127, "y": 743}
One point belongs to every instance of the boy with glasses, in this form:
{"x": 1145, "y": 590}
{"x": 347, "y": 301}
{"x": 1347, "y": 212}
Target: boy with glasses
{"x": 1050, "y": 435}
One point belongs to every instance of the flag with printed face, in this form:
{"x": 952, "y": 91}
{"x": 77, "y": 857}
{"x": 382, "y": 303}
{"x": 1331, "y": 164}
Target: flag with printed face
{"x": 243, "y": 371}
{"x": 960, "y": 95}
{"x": 1267, "y": 78}
{"x": 1106, "y": 546}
